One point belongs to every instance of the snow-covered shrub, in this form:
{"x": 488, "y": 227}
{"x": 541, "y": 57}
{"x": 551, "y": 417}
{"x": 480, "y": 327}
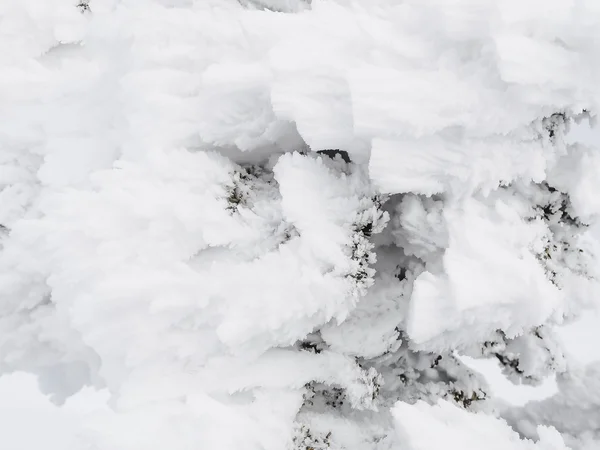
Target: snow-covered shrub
{"x": 281, "y": 224}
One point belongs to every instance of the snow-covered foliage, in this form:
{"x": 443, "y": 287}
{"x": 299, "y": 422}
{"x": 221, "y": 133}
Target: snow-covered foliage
{"x": 280, "y": 224}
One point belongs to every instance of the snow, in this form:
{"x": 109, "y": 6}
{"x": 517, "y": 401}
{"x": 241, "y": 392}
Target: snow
{"x": 180, "y": 267}
{"x": 30, "y": 421}
{"x": 517, "y": 395}
{"x": 426, "y": 426}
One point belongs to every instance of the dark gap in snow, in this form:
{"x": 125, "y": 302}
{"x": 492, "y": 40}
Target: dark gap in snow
{"x": 335, "y": 153}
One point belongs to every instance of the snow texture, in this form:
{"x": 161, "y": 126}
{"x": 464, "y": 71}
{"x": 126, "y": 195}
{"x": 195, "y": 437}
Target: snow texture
{"x": 280, "y": 224}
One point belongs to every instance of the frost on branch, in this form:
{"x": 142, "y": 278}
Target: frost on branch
{"x": 366, "y": 223}
{"x": 412, "y": 376}
{"x": 561, "y": 254}
{"x": 84, "y": 6}
{"x": 305, "y": 440}
{"x": 529, "y": 358}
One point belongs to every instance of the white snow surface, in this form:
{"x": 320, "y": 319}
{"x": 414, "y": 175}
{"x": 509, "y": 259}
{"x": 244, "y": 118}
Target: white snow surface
{"x": 171, "y": 238}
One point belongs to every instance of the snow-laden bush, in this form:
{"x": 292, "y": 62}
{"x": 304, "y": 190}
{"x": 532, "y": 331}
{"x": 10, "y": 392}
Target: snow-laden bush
{"x": 281, "y": 224}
